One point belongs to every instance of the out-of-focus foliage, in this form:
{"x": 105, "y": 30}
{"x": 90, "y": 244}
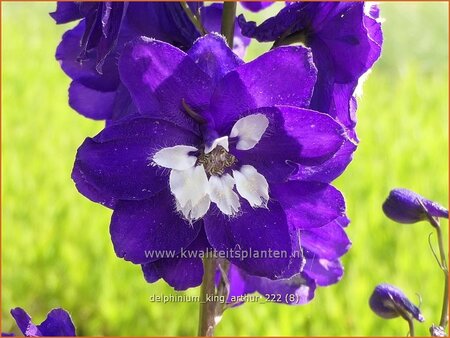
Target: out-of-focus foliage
{"x": 56, "y": 249}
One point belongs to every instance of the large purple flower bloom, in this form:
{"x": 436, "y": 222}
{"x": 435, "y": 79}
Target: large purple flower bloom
{"x": 89, "y": 52}
{"x": 345, "y": 39}
{"x": 57, "y": 324}
{"x": 211, "y": 152}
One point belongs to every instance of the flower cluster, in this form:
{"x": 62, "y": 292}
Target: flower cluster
{"x": 202, "y": 151}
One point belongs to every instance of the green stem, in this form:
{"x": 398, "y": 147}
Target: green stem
{"x": 443, "y": 265}
{"x": 444, "y": 312}
{"x": 228, "y": 19}
{"x": 207, "y": 314}
{"x": 411, "y": 326}
{"x": 194, "y": 19}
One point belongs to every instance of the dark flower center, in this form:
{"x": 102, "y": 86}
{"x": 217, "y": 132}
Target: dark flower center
{"x": 216, "y": 161}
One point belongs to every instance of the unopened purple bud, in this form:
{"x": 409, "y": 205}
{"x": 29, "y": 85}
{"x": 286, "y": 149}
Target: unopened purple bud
{"x": 388, "y": 302}
{"x": 404, "y": 206}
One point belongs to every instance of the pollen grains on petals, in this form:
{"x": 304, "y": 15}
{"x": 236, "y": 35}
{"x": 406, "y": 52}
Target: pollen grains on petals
{"x": 220, "y": 190}
{"x": 252, "y": 186}
{"x": 249, "y": 130}
{"x": 176, "y": 157}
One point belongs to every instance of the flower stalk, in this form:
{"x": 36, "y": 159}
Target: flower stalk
{"x": 442, "y": 264}
{"x": 207, "y": 313}
{"x": 193, "y": 17}
{"x": 228, "y": 19}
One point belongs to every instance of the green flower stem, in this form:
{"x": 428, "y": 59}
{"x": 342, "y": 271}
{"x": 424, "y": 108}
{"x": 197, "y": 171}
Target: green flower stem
{"x": 207, "y": 316}
{"x": 444, "y": 313}
{"x": 228, "y": 18}
{"x": 194, "y": 18}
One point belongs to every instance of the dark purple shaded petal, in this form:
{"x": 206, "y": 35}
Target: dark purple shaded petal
{"x": 324, "y": 272}
{"x": 91, "y": 103}
{"x": 24, "y": 323}
{"x": 112, "y": 16}
{"x": 329, "y": 241}
{"x": 57, "y": 324}
{"x": 329, "y": 170}
{"x": 253, "y": 233}
{"x": 116, "y": 164}
{"x": 66, "y": 12}
{"x": 211, "y": 17}
{"x": 387, "y": 301}
{"x": 309, "y": 204}
{"x": 141, "y": 231}
{"x": 183, "y": 271}
{"x": 7, "y": 334}
{"x": 284, "y": 76}
{"x": 293, "y": 135}
{"x": 213, "y": 56}
{"x": 156, "y": 74}
{"x": 403, "y": 206}
{"x": 84, "y": 71}
{"x": 151, "y": 273}
{"x": 256, "y": 6}
{"x": 165, "y": 21}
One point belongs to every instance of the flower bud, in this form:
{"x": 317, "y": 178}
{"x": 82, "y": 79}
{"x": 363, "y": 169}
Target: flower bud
{"x": 388, "y": 302}
{"x": 403, "y": 206}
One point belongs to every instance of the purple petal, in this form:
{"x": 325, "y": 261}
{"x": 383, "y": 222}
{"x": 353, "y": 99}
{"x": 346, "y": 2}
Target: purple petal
{"x": 183, "y": 271}
{"x": 238, "y": 284}
{"x": 305, "y": 136}
{"x": 329, "y": 241}
{"x": 329, "y": 170}
{"x": 297, "y": 290}
{"x": 91, "y": 103}
{"x": 66, "y": 12}
{"x": 156, "y": 74}
{"x": 67, "y": 54}
{"x": 57, "y": 324}
{"x": 117, "y": 162}
{"x": 24, "y": 322}
{"x": 254, "y": 232}
{"x": 166, "y": 21}
{"x": 213, "y": 56}
{"x": 141, "y": 231}
{"x": 324, "y": 272}
{"x": 284, "y": 76}
{"x": 256, "y": 6}
{"x": 309, "y": 204}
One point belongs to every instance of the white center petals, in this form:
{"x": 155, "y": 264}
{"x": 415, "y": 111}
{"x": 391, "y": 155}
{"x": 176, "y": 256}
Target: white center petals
{"x": 252, "y": 186}
{"x": 249, "y": 130}
{"x": 196, "y": 212}
{"x": 175, "y": 157}
{"x": 222, "y": 194}
{"x": 221, "y": 141}
{"x": 189, "y": 186}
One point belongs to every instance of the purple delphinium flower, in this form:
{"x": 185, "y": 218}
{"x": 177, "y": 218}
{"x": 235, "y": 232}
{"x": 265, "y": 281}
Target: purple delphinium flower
{"x": 89, "y": 52}
{"x": 345, "y": 39}
{"x": 388, "y": 302}
{"x": 212, "y": 151}
{"x": 57, "y": 324}
{"x": 404, "y": 206}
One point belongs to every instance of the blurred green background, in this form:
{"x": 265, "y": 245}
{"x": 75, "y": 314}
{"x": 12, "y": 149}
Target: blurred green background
{"x": 56, "y": 250}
